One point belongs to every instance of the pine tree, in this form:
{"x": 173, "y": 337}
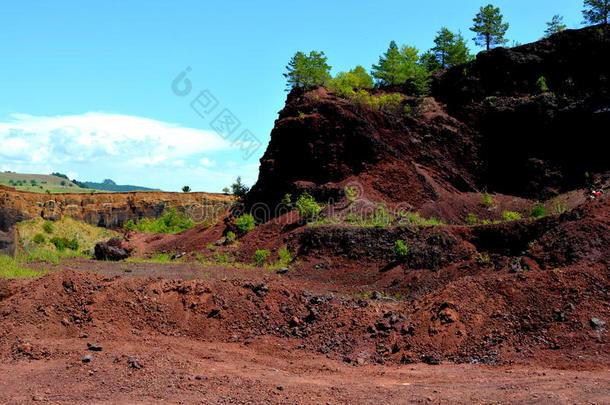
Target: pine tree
{"x": 444, "y": 41}
{"x": 489, "y": 27}
{"x": 596, "y": 11}
{"x": 554, "y": 26}
{"x": 307, "y": 71}
{"x": 390, "y": 68}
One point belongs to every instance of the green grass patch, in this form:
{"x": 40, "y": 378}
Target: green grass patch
{"x": 11, "y": 268}
{"x": 45, "y": 241}
{"x": 170, "y": 223}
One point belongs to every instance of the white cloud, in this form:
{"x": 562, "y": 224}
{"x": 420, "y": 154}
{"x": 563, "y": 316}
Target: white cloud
{"x": 95, "y": 137}
{"x": 205, "y": 162}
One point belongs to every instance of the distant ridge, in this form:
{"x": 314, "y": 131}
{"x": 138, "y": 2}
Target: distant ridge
{"x": 110, "y": 185}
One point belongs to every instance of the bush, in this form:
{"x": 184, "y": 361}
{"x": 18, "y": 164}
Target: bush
{"x": 487, "y": 199}
{"x": 230, "y": 235}
{"x": 39, "y": 238}
{"x": 308, "y": 207}
{"x": 511, "y": 216}
{"x": 472, "y": 219}
{"x": 285, "y": 256}
{"x": 260, "y": 256}
{"x": 538, "y": 211}
{"x": 541, "y": 84}
{"x": 401, "y": 249}
{"x": 245, "y": 223}
{"x": 48, "y": 227}
{"x": 62, "y": 244}
{"x": 170, "y": 223}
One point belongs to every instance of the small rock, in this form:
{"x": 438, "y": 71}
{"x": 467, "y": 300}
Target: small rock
{"x": 177, "y": 256}
{"x": 282, "y": 270}
{"x": 280, "y": 388}
{"x": 87, "y": 359}
{"x": 431, "y": 359}
{"x": 94, "y": 348}
{"x": 597, "y": 324}
{"x": 134, "y": 363}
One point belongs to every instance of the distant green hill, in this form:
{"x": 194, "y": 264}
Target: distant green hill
{"x": 109, "y": 185}
{"x": 42, "y": 183}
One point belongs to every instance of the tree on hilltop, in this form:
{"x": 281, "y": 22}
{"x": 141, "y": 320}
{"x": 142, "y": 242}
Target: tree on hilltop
{"x": 489, "y": 28}
{"x": 554, "y": 26}
{"x": 596, "y": 11}
{"x": 307, "y": 71}
{"x": 450, "y": 50}
{"x": 399, "y": 66}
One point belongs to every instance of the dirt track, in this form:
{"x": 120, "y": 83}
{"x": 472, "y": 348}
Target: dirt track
{"x": 155, "y": 350}
{"x": 183, "y": 371}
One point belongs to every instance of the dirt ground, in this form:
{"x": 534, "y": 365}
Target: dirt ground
{"x": 153, "y": 353}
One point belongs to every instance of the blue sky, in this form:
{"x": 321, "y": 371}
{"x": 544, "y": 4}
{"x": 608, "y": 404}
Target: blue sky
{"x": 86, "y": 87}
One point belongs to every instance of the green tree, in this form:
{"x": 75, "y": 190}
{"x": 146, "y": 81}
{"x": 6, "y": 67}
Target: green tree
{"x": 596, "y": 11}
{"x": 488, "y": 27}
{"x": 390, "y": 69}
{"x": 238, "y": 188}
{"x": 346, "y": 83}
{"x": 430, "y": 62}
{"x": 450, "y": 49}
{"x": 307, "y": 71}
{"x": 398, "y": 66}
{"x": 554, "y": 26}
{"x": 186, "y": 189}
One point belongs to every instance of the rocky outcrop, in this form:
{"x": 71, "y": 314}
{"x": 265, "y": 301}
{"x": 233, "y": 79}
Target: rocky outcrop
{"x": 110, "y": 210}
{"x": 490, "y": 124}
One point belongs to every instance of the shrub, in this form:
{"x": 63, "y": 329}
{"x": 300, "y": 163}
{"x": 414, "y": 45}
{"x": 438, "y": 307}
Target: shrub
{"x": 401, "y": 249}
{"x": 351, "y": 193}
{"x": 541, "y": 84}
{"x": 308, "y": 207}
{"x": 130, "y": 225}
{"x": 260, "y": 256}
{"x": 170, "y": 223}
{"x": 186, "y": 189}
{"x": 245, "y": 223}
{"x": 39, "y": 238}
{"x": 389, "y": 102}
{"x": 511, "y": 216}
{"x": 287, "y": 200}
{"x": 472, "y": 219}
{"x": 285, "y": 256}
{"x": 62, "y": 244}
{"x": 230, "y": 235}
{"x": 487, "y": 199}
{"x": 538, "y": 210}
{"x": 48, "y": 227}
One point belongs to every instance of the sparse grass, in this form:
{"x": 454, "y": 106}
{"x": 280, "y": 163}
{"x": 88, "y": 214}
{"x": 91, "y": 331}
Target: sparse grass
{"x": 559, "y": 207}
{"x": 415, "y": 219}
{"x": 67, "y": 239}
{"x": 171, "y": 222}
{"x": 11, "y": 268}
{"x": 380, "y": 217}
{"x": 511, "y": 216}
